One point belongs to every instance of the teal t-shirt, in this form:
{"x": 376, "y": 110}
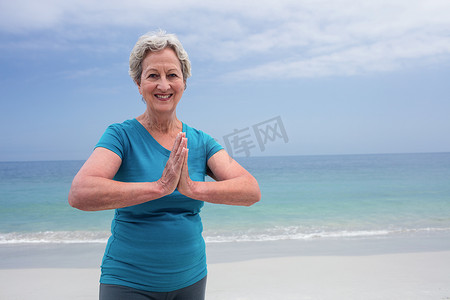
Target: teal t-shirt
{"x": 157, "y": 245}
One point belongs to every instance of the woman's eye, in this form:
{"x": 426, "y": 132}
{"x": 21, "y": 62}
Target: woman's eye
{"x": 173, "y": 75}
{"x": 152, "y": 75}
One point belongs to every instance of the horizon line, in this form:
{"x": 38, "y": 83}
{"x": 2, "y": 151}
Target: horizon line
{"x": 256, "y": 156}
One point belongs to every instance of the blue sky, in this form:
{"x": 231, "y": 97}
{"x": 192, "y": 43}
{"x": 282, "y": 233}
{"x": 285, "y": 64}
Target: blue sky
{"x": 344, "y": 76}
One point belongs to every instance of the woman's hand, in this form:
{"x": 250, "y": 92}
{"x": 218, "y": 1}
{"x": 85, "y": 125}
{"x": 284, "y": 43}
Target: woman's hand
{"x": 185, "y": 185}
{"x": 173, "y": 169}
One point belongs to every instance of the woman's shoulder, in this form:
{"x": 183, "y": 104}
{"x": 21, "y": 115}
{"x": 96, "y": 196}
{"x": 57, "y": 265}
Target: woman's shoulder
{"x": 200, "y": 139}
{"x": 125, "y": 125}
{"x": 192, "y": 132}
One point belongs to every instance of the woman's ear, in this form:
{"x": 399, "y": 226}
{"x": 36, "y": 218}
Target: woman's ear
{"x": 139, "y": 86}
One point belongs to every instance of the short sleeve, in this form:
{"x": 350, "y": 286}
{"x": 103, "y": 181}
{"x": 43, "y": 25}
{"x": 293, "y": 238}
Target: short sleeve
{"x": 212, "y": 146}
{"x": 112, "y": 140}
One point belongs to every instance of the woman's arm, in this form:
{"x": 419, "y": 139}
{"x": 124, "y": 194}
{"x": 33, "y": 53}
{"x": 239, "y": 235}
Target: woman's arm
{"x": 234, "y": 185}
{"x": 93, "y": 188}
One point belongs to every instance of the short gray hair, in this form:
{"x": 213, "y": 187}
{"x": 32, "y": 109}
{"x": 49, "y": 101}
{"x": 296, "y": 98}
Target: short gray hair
{"x": 153, "y": 42}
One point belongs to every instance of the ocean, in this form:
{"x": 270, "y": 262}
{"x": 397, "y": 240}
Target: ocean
{"x": 303, "y": 198}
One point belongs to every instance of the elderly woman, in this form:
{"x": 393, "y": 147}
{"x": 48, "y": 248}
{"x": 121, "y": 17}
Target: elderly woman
{"x": 151, "y": 170}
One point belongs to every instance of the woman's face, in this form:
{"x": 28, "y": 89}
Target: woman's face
{"x": 162, "y": 83}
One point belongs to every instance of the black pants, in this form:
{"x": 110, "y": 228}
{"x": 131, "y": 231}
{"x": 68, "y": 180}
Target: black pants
{"x": 119, "y": 292}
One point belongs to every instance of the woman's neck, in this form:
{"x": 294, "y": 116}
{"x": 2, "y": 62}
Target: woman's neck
{"x": 160, "y": 124}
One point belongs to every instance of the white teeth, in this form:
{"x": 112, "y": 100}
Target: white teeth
{"x": 163, "y": 96}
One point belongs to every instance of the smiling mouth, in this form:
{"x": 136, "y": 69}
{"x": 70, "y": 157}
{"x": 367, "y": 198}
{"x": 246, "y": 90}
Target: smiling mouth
{"x": 163, "y": 97}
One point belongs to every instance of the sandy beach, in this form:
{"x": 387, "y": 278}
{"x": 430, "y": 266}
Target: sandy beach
{"x": 390, "y": 276}
{"x": 358, "y": 269}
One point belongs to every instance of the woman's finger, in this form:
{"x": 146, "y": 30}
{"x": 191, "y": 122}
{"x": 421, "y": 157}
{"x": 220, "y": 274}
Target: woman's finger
{"x": 178, "y": 156}
{"x": 172, "y": 170}
{"x": 177, "y": 142}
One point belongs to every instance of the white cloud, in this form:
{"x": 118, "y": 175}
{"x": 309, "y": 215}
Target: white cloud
{"x": 384, "y": 55}
{"x": 20, "y": 15}
{"x": 336, "y": 40}
{"x": 262, "y": 38}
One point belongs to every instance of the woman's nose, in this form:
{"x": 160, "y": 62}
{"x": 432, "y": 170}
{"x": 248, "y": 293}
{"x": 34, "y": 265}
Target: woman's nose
{"x": 163, "y": 84}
